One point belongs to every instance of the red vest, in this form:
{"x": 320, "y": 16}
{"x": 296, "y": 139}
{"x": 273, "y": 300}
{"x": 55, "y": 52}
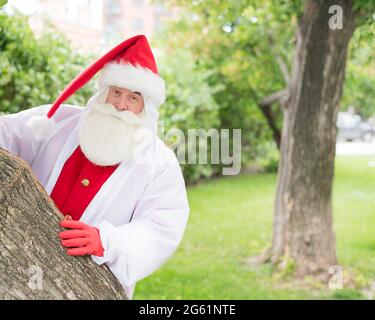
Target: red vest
{"x": 78, "y": 183}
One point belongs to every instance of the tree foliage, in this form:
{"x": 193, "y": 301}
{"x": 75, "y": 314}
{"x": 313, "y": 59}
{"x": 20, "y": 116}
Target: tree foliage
{"x": 359, "y": 85}
{"x": 246, "y": 48}
{"x": 3, "y": 3}
{"x": 189, "y": 104}
{"x": 235, "y": 43}
{"x": 35, "y": 70}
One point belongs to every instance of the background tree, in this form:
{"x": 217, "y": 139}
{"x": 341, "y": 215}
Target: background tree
{"x": 247, "y": 47}
{"x": 244, "y": 49}
{"x": 303, "y": 229}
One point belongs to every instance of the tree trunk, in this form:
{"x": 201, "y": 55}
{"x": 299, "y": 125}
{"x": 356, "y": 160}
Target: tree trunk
{"x": 303, "y": 228}
{"x": 33, "y": 264}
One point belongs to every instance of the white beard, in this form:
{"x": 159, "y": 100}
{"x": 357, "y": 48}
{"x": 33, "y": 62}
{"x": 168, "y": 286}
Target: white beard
{"x": 107, "y": 136}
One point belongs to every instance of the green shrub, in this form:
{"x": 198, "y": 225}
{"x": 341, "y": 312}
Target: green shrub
{"x": 34, "y": 71}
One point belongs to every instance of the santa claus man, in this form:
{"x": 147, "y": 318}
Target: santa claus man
{"x": 105, "y": 167}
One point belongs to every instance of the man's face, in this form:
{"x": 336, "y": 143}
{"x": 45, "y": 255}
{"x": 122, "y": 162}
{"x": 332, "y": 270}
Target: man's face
{"x": 124, "y": 99}
{"x": 108, "y": 135}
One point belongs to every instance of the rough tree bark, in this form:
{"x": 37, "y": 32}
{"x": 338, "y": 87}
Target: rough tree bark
{"x": 303, "y": 228}
{"x": 33, "y": 264}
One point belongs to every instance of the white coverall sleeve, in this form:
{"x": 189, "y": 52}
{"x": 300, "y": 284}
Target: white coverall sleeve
{"x": 16, "y": 137}
{"x": 134, "y": 250}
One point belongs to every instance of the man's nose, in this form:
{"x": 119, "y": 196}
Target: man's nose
{"x": 120, "y": 104}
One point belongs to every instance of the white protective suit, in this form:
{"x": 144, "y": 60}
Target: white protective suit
{"x": 141, "y": 210}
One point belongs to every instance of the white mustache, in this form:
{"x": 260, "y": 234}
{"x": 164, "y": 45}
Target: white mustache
{"x": 125, "y": 116}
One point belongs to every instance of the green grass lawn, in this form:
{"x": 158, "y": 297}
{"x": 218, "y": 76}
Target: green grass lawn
{"x": 231, "y": 219}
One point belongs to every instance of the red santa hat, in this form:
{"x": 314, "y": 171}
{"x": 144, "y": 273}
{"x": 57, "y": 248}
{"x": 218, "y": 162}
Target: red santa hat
{"x": 130, "y": 65}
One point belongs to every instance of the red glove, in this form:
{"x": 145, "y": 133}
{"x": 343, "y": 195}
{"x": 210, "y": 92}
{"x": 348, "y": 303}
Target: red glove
{"x": 82, "y": 240}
